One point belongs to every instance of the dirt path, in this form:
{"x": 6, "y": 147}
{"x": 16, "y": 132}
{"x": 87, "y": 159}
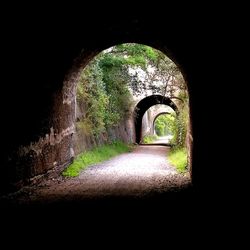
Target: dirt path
{"x": 142, "y": 172}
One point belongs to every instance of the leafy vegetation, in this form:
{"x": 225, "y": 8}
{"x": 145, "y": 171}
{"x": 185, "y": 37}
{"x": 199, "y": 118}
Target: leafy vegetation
{"x": 94, "y": 156}
{"x": 149, "y": 138}
{"x": 178, "y": 158}
{"x": 91, "y": 96}
{"x": 180, "y": 128}
{"x": 165, "y": 124}
{"x": 103, "y": 95}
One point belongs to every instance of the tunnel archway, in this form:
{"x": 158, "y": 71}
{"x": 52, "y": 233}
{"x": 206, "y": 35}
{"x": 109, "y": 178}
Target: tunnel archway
{"x": 55, "y": 128}
{"x": 159, "y": 114}
{"x": 144, "y": 105}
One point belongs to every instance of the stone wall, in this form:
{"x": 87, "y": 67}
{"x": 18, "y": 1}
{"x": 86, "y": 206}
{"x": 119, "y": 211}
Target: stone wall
{"x": 83, "y": 141}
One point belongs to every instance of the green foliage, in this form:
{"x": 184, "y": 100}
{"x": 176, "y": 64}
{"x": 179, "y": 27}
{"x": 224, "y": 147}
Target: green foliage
{"x": 95, "y": 156}
{"x": 149, "y": 139}
{"x": 110, "y": 61}
{"x": 138, "y": 53}
{"x": 91, "y": 94}
{"x": 103, "y": 93}
{"x": 180, "y": 130}
{"x": 115, "y": 78}
{"x": 178, "y": 158}
{"x": 165, "y": 77}
{"x": 165, "y": 124}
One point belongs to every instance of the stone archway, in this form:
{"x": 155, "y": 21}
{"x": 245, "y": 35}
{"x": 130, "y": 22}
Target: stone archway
{"x": 156, "y": 116}
{"x": 44, "y": 140}
{"x": 144, "y": 105}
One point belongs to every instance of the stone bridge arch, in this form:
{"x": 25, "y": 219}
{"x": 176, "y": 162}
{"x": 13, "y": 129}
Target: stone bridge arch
{"x": 143, "y": 106}
{"x": 156, "y": 116}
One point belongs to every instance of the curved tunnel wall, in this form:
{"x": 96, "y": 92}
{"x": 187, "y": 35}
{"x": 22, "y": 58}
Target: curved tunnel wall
{"x": 44, "y": 85}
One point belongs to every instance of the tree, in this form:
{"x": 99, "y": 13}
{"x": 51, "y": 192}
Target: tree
{"x": 149, "y": 70}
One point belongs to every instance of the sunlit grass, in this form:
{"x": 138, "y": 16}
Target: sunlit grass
{"x": 149, "y": 138}
{"x": 178, "y": 158}
{"x": 94, "y": 156}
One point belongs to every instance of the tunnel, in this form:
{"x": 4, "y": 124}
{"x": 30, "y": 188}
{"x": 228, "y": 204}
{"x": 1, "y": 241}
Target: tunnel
{"x": 161, "y": 113}
{"x": 143, "y": 106}
{"x": 45, "y": 98}
{"x": 43, "y": 49}
{"x": 41, "y": 68}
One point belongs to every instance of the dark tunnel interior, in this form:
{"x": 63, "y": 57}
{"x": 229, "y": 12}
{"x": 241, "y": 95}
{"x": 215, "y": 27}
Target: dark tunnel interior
{"x": 41, "y": 54}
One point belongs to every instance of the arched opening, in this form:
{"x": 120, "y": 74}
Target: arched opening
{"x": 60, "y": 137}
{"x": 157, "y": 116}
{"x": 144, "y": 105}
{"x": 70, "y": 92}
{"x": 163, "y": 126}
{"x": 132, "y": 75}
{"x": 41, "y": 68}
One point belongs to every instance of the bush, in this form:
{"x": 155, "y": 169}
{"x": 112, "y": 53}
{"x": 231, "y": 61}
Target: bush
{"x": 178, "y": 158}
{"x": 149, "y": 138}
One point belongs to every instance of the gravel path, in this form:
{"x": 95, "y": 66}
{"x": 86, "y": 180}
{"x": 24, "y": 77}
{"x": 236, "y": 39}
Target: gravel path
{"x": 140, "y": 173}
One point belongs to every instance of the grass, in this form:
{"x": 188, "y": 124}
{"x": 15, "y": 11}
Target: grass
{"x": 149, "y": 138}
{"x": 178, "y": 158}
{"x": 96, "y": 155}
